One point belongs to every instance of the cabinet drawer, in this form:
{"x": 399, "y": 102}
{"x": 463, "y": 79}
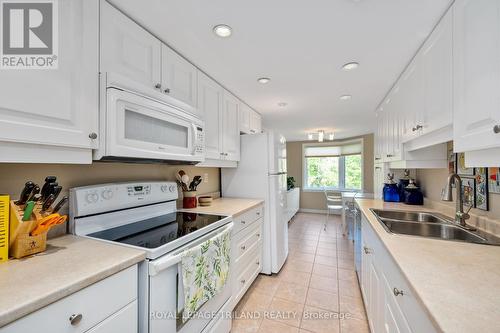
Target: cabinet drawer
{"x": 246, "y": 240}
{"x": 246, "y": 272}
{"x": 94, "y": 303}
{"x": 247, "y": 218}
{"x": 123, "y": 321}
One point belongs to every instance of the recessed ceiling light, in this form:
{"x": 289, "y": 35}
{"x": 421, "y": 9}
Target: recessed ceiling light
{"x": 350, "y": 66}
{"x": 263, "y": 80}
{"x": 345, "y": 97}
{"x": 282, "y": 104}
{"x": 223, "y": 30}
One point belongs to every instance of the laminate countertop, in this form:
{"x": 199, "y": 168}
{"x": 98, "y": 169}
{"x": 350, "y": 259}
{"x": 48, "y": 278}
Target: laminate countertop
{"x": 228, "y": 206}
{"x": 69, "y": 264}
{"x": 457, "y": 283}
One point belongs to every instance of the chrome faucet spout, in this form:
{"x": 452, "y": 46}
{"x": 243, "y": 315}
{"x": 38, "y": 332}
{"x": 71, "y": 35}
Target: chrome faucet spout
{"x": 447, "y": 195}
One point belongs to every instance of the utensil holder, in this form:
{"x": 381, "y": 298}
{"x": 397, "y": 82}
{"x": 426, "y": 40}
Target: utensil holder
{"x": 21, "y": 243}
{"x": 189, "y": 200}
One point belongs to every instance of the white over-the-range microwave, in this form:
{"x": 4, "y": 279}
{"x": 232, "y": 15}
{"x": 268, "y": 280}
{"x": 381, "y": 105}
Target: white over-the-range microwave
{"x": 138, "y": 127}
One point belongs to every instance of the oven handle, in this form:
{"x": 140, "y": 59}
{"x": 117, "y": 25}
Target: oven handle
{"x": 157, "y": 266}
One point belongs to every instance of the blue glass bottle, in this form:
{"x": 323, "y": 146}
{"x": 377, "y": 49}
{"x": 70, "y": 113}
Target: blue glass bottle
{"x": 391, "y": 191}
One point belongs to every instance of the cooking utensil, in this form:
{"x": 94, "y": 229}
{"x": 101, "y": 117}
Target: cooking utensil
{"x": 185, "y": 179}
{"x": 37, "y": 197}
{"x": 46, "y": 185}
{"x": 195, "y": 182}
{"x": 25, "y": 193}
{"x": 48, "y": 202}
{"x": 48, "y": 222}
{"x": 60, "y": 204}
{"x": 28, "y": 210}
{"x": 181, "y": 173}
{"x": 56, "y": 190}
{"x": 34, "y": 192}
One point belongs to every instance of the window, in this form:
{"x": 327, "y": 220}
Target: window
{"x": 333, "y": 167}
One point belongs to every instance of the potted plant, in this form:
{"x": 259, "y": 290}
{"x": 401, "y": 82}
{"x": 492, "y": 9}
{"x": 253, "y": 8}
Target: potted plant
{"x": 290, "y": 183}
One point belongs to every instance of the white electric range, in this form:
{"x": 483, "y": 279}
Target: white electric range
{"x": 143, "y": 215}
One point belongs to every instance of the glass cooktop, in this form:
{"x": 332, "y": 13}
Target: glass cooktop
{"x": 157, "y": 231}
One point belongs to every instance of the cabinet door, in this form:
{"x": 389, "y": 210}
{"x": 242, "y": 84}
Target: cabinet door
{"x": 210, "y": 104}
{"x": 411, "y": 96}
{"x": 245, "y": 112}
{"x": 230, "y": 127}
{"x": 393, "y": 319}
{"x": 123, "y": 321}
{"x": 379, "y": 136}
{"x": 57, "y": 106}
{"x": 127, "y": 49}
{"x": 179, "y": 77}
{"x": 437, "y": 65}
{"x": 377, "y": 298}
{"x": 476, "y": 62}
{"x": 255, "y": 122}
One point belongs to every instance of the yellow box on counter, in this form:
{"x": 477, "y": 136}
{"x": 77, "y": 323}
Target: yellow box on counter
{"x": 4, "y": 227}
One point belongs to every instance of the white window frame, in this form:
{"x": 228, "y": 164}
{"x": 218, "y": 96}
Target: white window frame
{"x": 341, "y": 187}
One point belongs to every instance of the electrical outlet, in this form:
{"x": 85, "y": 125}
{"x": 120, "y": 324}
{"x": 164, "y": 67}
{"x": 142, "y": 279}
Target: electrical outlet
{"x": 205, "y": 178}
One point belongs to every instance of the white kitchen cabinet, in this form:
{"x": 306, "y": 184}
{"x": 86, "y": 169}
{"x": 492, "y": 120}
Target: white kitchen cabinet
{"x": 437, "y": 66}
{"x": 41, "y": 110}
{"x": 109, "y": 305}
{"x": 292, "y": 203}
{"x": 129, "y": 50}
{"x": 230, "y": 127}
{"x": 476, "y": 68}
{"x": 178, "y": 76}
{"x": 255, "y": 122}
{"x": 390, "y": 303}
{"x": 250, "y": 120}
{"x": 411, "y": 105}
{"x": 210, "y": 104}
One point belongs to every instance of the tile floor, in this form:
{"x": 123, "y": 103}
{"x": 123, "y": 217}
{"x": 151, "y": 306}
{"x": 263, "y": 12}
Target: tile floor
{"x": 316, "y": 290}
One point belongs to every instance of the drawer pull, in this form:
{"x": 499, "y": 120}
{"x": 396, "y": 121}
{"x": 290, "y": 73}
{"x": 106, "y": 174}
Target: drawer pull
{"x": 243, "y": 222}
{"x": 257, "y": 263}
{"x": 496, "y": 129}
{"x": 258, "y": 213}
{"x": 243, "y": 281}
{"x": 258, "y": 235}
{"x": 398, "y": 292}
{"x": 243, "y": 247}
{"x": 75, "y": 319}
{"x": 367, "y": 250}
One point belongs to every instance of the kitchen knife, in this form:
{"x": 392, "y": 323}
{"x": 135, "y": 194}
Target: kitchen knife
{"x": 34, "y": 192}
{"x": 25, "y": 193}
{"x": 60, "y": 204}
{"x": 45, "y": 187}
{"x": 28, "y": 210}
{"x": 49, "y": 191}
{"x": 56, "y": 190}
{"x": 48, "y": 202}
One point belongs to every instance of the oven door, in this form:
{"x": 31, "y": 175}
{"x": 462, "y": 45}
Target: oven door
{"x": 142, "y": 128}
{"x": 166, "y": 296}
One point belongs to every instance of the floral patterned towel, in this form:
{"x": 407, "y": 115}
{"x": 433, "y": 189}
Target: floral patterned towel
{"x": 205, "y": 270}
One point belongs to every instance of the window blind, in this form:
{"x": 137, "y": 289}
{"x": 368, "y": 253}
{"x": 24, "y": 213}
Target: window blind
{"x": 333, "y": 151}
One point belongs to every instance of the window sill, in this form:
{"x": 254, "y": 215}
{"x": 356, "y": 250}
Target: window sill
{"x": 328, "y": 189}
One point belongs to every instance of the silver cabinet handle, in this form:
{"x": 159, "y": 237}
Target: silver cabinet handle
{"x": 258, "y": 235}
{"x": 496, "y": 129}
{"x": 389, "y": 155}
{"x": 75, "y": 319}
{"x": 416, "y": 128}
{"x": 367, "y": 250}
{"x": 158, "y": 85}
{"x": 377, "y": 158}
{"x": 257, "y": 263}
{"x": 243, "y": 247}
{"x": 243, "y": 222}
{"x": 167, "y": 91}
{"x": 243, "y": 281}
{"x": 398, "y": 292}
{"x": 93, "y": 135}
{"x": 258, "y": 213}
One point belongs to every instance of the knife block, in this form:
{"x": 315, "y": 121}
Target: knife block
{"x": 21, "y": 243}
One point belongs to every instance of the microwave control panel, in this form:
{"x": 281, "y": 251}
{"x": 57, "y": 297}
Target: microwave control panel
{"x": 199, "y": 145}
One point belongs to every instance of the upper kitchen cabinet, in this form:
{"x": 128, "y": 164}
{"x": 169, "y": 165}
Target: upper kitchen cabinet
{"x": 178, "y": 76}
{"x": 230, "y": 127}
{"x": 436, "y": 62}
{"x": 250, "y": 120}
{"x": 210, "y": 104}
{"x": 476, "y": 52}
{"x": 129, "y": 50}
{"x": 51, "y": 115}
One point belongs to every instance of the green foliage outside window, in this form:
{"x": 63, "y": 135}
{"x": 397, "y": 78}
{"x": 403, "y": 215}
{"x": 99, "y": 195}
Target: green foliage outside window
{"x": 327, "y": 172}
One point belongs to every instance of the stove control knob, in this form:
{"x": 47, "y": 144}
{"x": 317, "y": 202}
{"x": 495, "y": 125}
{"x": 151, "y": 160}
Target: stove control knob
{"x": 92, "y": 197}
{"x": 107, "y": 194}
{"x": 164, "y": 188}
{"x": 172, "y": 188}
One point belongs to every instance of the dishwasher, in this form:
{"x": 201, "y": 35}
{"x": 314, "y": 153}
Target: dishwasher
{"x": 357, "y": 241}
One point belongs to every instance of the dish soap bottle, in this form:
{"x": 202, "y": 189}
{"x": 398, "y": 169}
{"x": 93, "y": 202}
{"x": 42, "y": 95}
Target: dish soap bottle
{"x": 391, "y": 192}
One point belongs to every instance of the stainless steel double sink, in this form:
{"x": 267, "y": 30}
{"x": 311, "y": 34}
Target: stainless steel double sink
{"x": 431, "y": 225}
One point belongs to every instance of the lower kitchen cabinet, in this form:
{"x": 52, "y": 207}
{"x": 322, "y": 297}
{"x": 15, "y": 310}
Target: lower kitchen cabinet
{"x": 246, "y": 251}
{"x": 108, "y": 306}
{"x": 389, "y": 301}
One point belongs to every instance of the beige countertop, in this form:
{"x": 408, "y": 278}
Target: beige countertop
{"x": 69, "y": 264}
{"x": 228, "y": 206}
{"x": 457, "y": 283}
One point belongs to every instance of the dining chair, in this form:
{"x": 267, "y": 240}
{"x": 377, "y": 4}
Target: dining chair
{"x": 333, "y": 203}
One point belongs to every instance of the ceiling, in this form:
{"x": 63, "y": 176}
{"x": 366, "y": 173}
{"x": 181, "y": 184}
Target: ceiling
{"x": 301, "y": 46}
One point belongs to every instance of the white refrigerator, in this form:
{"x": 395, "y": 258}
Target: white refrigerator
{"x": 261, "y": 174}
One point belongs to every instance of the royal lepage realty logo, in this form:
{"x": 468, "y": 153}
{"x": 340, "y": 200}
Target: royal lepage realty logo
{"x": 29, "y": 34}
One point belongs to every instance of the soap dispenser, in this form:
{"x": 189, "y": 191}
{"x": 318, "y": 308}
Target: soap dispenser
{"x": 391, "y": 192}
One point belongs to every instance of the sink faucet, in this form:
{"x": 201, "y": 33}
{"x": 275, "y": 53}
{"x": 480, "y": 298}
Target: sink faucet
{"x": 460, "y": 215}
